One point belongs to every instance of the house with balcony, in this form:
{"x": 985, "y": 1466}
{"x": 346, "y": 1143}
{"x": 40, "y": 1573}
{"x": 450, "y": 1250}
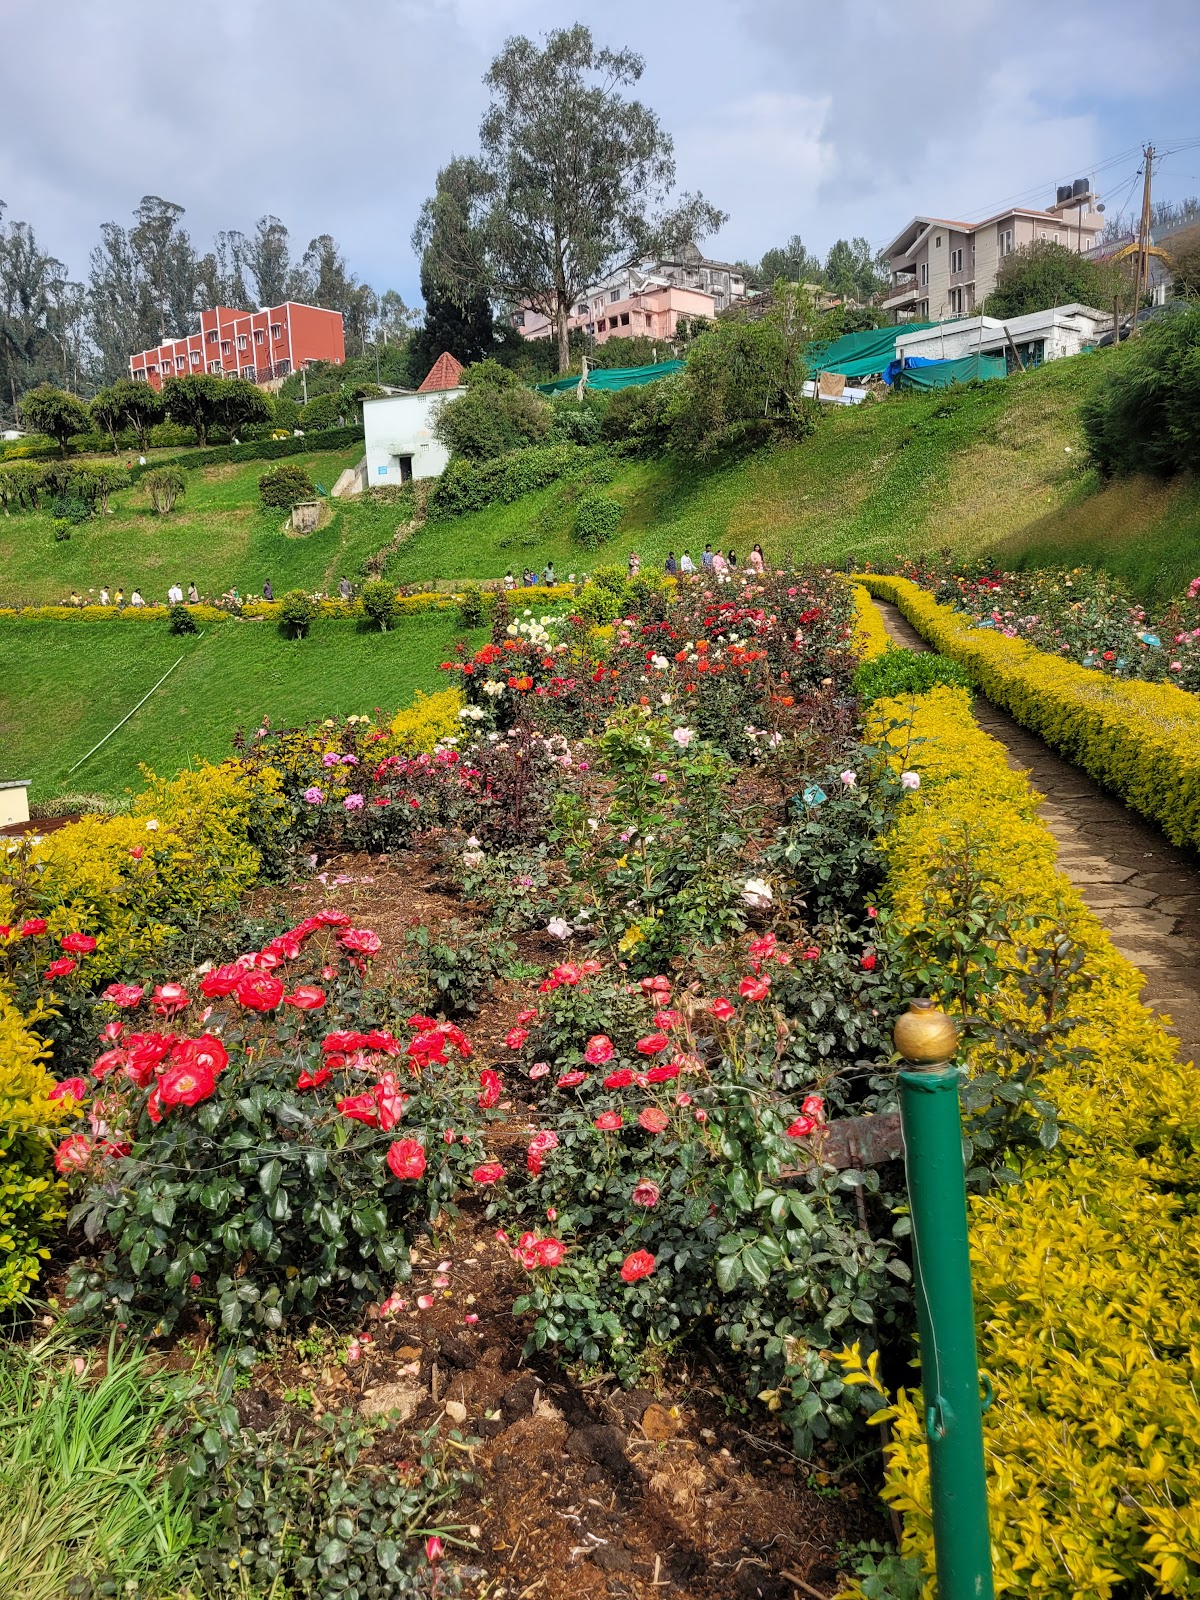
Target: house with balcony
{"x": 942, "y": 268}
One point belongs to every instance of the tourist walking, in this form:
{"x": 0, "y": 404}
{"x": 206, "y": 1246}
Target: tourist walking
{"x": 670, "y": 565}
{"x": 268, "y": 590}
{"x": 707, "y": 559}
{"x": 104, "y": 600}
{"x": 756, "y": 558}
{"x": 548, "y": 577}
{"x": 686, "y": 564}
{"x": 135, "y": 599}
{"x": 193, "y": 595}
{"x": 174, "y": 595}
{"x": 635, "y": 563}
{"x": 731, "y": 560}
{"x": 719, "y": 565}
{"x": 345, "y": 588}
{"x": 120, "y": 599}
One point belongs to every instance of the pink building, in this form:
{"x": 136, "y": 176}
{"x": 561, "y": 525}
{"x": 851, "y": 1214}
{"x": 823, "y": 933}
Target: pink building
{"x": 650, "y": 312}
{"x": 258, "y": 345}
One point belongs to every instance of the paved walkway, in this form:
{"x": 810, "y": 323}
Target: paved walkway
{"x": 1144, "y": 890}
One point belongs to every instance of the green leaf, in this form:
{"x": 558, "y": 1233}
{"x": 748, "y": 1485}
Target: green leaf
{"x": 269, "y": 1175}
{"x": 729, "y": 1272}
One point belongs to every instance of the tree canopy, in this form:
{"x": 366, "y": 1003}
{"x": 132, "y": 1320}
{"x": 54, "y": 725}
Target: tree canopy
{"x": 573, "y": 179}
{"x": 1042, "y": 274}
{"x": 53, "y": 412}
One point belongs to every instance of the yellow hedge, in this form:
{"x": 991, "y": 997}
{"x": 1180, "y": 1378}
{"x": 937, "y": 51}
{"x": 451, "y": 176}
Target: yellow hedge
{"x": 31, "y": 1204}
{"x": 1087, "y": 1274}
{"x": 430, "y": 718}
{"x": 1141, "y": 740}
{"x": 870, "y": 635}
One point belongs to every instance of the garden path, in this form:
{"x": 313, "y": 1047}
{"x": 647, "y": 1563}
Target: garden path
{"x": 1143, "y": 889}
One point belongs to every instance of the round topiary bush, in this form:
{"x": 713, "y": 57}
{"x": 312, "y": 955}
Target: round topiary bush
{"x": 296, "y": 613}
{"x": 180, "y": 620}
{"x": 378, "y": 601}
{"x": 285, "y": 486}
{"x": 597, "y": 517}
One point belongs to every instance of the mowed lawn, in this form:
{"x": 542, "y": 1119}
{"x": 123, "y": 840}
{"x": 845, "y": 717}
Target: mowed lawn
{"x": 218, "y": 536}
{"x": 64, "y": 685}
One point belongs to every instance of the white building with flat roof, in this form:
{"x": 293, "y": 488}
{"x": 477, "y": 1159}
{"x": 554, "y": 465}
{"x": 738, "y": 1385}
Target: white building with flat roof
{"x": 400, "y": 441}
{"x": 1039, "y": 336}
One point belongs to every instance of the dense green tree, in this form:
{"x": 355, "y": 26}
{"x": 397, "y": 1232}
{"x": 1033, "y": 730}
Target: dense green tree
{"x": 1042, "y": 274}
{"x": 1144, "y": 416}
{"x": 1186, "y": 274}
{"x": 793, "y": 262}
{"x": 572, "y": 179}
{"x": 852, "y": 270}
{"x": 497, "y": 413}
{"x": 53, "y": 412}
{"x": 127, "y": 403}
{"x": 40, "y": 315}
{"x": 194, "y": 401}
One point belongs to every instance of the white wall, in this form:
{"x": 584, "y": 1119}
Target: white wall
{"x": 1066, "y": 330}
{"x": 402, "y": 425}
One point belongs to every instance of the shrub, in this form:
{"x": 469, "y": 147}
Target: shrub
{"x": 180, "y": 620}
{"x": 166, "y": 485}
{"x": 257, "y": 450}
{"x": 453, "y": 967}
{"x": 70, "y": 508}
{"x": 640, "y": 415}
{"x": 31, "y": 1198}
{"x": 1045, "y": 273}
{"x": 20, "y": 482}
{"x": 471, "y": 610}
{"x": 324, "y": 411}
{"x": 378, "y": 601}
{"x": 597, "y": 605}
{"x": 1144, "y": 414}
{"x": 296, "y": 613}
{"x": 597, "y": 517}
{"x": 53, "y": 412}
{"x": 494, "y": 416}
{"x": 907, "y": 672}
{"x": 285, "y": 413}
{"x": 467, "y": 486}
{"x": 870, "y": 635}
{"x": 575, "y": 423}
{"x": 285, "y": 487}
{"x": 1142, "y": 740}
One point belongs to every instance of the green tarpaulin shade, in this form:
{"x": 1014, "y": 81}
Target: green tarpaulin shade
{"x": 613, "y": 377}
{"x": 941, "y": 374}
{"x": 861, "y": 355}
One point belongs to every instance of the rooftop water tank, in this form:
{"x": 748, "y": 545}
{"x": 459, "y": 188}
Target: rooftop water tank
{"x": 1079, "y": 188}
{"x": 1064, "y": 193}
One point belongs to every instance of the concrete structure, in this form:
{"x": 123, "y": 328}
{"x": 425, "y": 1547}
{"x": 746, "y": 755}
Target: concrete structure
{"x": 14, "y": 801}
{"x": 1039, "y": 336}
{"x": 647, "y": 300}
{"x": 261, "y": 345}
{"x": 941, "y": 268}
{"x": 399, "y": 429}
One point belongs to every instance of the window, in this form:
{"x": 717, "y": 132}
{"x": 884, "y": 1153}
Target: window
{"x": 248, "y": 372}
{"x": 924, "y": 273}
{"x": 241, "y": 339}
{"x": 212, "y": 336}
{"x": 258, "y": 336}
{"x": 1005, "y": 241}
{"x": 956, "y": 302}
{"x": 276, "y": 331}
{"x": 581, "y": 311}
{"x": 226, "y": 347}
{"x": 938, "y": 241}
{"x": 956, "y": 261}
{"x": 613, "y": 295}
{"x": 612, "y": 322}
{"x": 214, "y": 366}
{"x": 180, "y": 363}
{"x": 624, "y": 319}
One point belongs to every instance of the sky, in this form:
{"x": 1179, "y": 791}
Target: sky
{"x": 828, "y": 120}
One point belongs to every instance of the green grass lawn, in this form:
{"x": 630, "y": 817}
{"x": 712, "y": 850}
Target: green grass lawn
{"x": 217, "y": 536}
{"x": 64, "y": 685}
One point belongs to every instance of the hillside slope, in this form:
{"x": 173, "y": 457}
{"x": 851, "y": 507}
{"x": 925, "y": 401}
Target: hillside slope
{"x": 999, "y": 468}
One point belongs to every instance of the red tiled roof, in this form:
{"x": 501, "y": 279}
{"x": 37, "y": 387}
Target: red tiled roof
{"x": 445, "y": 373}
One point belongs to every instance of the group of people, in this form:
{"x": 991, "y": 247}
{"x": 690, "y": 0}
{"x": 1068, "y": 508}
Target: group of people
{"x": 530, "y": 579}
{"x": 175, "y": 596}
{"x": 720, "y": 565}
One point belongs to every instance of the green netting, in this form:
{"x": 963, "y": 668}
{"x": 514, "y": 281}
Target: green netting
{"x": 941, "y": 374}
{"x": 861, "y": 355}
{"x": 613, "y": 377}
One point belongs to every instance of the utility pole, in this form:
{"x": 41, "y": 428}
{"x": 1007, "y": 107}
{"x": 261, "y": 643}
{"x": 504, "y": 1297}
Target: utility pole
{"x": 1143, "y": 256}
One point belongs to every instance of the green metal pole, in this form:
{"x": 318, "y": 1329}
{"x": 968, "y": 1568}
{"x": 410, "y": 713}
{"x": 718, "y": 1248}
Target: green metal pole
{"x": 932, "y": 1126}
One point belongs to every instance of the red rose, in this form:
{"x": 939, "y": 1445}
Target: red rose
{"x": 266, "y": 960}
{"x": 69, "y": 1089}
{"x": 109, "y": 1062}
{"x": 33, "y": 928}
{"x": 186, "y": 1084}
{"x": 492, "y": 1087}
{"x": 761, "y": 948}
{"x": 542, "y": 1142}
{"x": 528, "y": 1015}
{"x": 645, "y": 1193}
{"x": 653, "y": 1120}
{"x": 124, "y": 994}
{"x": 391, "y": 1100}
{"x": 313, "y": 1080}
{"x": 652, "y": 1044}
{"x": 667, "y": 1019}
{"x": 516, "y": 1037}
{"x": 73, "y": 1153}
{"x": 868, "y": 961}
{"x": 137, "y": 851}
{"x": 599, "y": 1050}
{"x": 551, "y": 1252}
{"x": 489, "y": 1172}
{"x": 78, "y": 944}
{"x": 406, "y": 1158}
{"x": 638, "y": 1265}
{"x": 169, "y": 998}
{"x": 206, "y": 1051}
{"x": 802, "y": 1127}
{"x": 609, "y": 1121}
{"x": 571, "y": 1080}
{"x": 426, "y": 1048}
{"x": 222, "y": 981}
{"x": 723, "y": 1010}
{"x": 332, "y": 919}
{"x": 754, "y": 988}
{"x": 59, "y": 968}
{"x": 813, "y": 1106}
{"x": 361, "y": 1108}
{"x": 590, "y": 967}
{"x": 305, "y": 997}
{"x": 361, "y": 940}
{"x": 259, "y": 991}
{"x": 621, "y": 1079}
{"x": 663, "y": 1074}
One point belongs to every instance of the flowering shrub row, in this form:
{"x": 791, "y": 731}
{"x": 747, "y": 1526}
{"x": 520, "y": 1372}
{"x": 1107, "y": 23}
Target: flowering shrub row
{"x": 1085, "y": 1275}
{"x": 31, "y": 1200}
{"x": 1079, "y": 614}
{"x": 1142, "y": 740}
{"x": 406, "y": 605}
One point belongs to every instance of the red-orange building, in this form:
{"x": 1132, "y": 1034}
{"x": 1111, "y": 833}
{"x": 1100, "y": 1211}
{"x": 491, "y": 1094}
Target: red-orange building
{"x": 258, "y": 345}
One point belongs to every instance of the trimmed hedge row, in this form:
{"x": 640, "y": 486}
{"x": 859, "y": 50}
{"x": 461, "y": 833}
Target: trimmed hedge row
{"x": 1141, "y": 740}
{"x": 257, "y": 450}
{"x": 1087, "y": 1273}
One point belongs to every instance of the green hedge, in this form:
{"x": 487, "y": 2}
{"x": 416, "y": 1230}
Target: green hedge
{"x": 259, "y": 450}
{"x": 1141, "y": 740}
{"x": 468, "y": 486}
